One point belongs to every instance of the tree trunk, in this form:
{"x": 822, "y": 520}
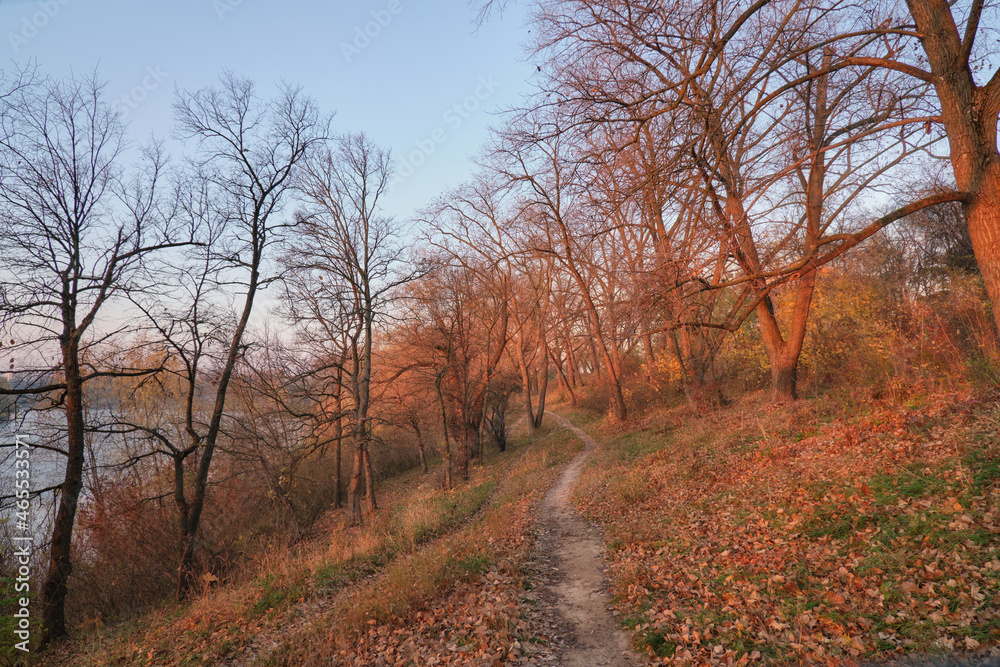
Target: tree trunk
{"x": 784, "y": 373}
{"x": 529, "y": 411}
{"x": 647, "y": 340}
{"x": 338, "y": 434}
{"x": 596, "y": 360}
{"x": 60, "y": 562}
{"x": 369, "y": 481}
{"x": 444, "y": 428}
{"x": 977, "y": 172}
{"x": 689, "y": 393}
{"x": 481, "y": 429}
{"x": 447, "y": 459}
{"x": 565, "y": 383}
{"x": 969, "y": 113}
{"x": 784, "y": 353}
{"x": 783, "y": 387}
{"x": 191, "y": 520}
{"x": 498, "y": 425}
{"x": 185, "y": 536}
{"x": 983, "y": 219}
{"x": 354, "y": 491}
{"x": 571, "y": 366}
{"x": 465, "y": 429}
{"x": 618, "y": 398}
{"x": 338, "y": 454}
{"x": 415, "y": 423}
{"x": 542, "y": 388}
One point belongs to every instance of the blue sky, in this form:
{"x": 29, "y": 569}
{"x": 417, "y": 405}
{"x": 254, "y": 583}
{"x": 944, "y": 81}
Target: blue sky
{"x": 400, "y": 82}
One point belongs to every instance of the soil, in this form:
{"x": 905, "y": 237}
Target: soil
{"x": 572, "y": 572}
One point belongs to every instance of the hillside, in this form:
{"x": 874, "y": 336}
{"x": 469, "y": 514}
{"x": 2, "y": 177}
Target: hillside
{"x": 819, "y": 533}
{"x": 432, "y": 573}
{"x": 805, "y": 533}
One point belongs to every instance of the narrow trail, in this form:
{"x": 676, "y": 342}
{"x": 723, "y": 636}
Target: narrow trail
{"x": 572, "y": 581}
{"x": 575, "y": 583}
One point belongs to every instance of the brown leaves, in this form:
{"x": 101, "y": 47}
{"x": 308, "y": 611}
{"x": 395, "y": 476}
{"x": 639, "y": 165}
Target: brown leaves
{"x": 862, "y": 540}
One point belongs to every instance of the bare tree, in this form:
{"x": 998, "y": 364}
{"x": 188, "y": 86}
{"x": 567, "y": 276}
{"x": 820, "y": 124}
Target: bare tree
{"x": 969, "y": 111}
{"x": 322, "y": 333}
{"x": 477, "y": 229}
{"x": 249, "y": 151}
{"x": 348, "y": 257}
{"x": 74, "y": 231}
{"x": 536, "y": 159}
{"x": 456, "y": 334}
{"x": 729, "y": 82}
{"x": 284, "y": 422}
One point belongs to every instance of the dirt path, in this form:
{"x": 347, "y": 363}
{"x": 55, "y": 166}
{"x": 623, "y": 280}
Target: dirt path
{"x": 573, "y": 579}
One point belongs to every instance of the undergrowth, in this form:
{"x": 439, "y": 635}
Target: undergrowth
{"x": 413, "y": 550}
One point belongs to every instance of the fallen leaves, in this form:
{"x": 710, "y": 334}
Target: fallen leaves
{"x": 866, "y": 539}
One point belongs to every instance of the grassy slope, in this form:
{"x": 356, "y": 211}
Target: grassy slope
{"x": 458, "y": 602}
{"x": 809, "y": 533}
{"x": 402, "y": 582}
{"x": 752, "y": 535}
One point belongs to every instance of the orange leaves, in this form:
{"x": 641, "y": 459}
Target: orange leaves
{"x": 864, "y": 539}
{"x": 836, "y": 599}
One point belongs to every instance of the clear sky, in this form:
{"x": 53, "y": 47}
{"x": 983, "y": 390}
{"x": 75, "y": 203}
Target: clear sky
{"x": 395, "y": 69}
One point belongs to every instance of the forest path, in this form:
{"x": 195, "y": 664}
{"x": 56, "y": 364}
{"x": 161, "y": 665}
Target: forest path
{"x": 571, "y": 552}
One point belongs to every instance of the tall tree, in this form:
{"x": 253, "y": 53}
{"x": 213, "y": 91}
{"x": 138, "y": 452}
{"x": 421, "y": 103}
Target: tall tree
{"x": 536, "y": 157}
{"x": 733, "y": 78}
{"x": 349, "y": 256}
{"x": 476, "y": 226}
{"x": 75, "y": 228}
{"x": 249, "y": 152}
{"x": 969, "y": 113}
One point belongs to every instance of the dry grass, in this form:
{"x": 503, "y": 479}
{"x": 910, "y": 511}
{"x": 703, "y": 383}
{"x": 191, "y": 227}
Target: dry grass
{"x": 223, "y": 621}
{"x": 458, "y": 573}
{"x": 418, "y": 545}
